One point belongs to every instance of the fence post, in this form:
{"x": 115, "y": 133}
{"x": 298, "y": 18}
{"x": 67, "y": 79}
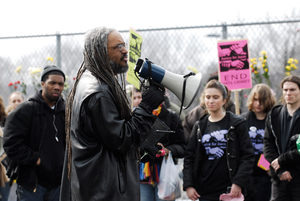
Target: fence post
{"x": 236, "y": 92}
{"x": 58, "y": 50}
{"x": 224, "y": 31}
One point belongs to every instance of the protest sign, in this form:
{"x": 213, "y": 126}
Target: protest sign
{"x": 234, "y": 69}
{"x": 135, "y": 47}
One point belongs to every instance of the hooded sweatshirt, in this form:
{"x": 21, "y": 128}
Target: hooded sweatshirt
{"x": 52, "y": 144}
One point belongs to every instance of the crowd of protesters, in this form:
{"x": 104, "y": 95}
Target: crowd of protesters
{"x": 92, "y": 144}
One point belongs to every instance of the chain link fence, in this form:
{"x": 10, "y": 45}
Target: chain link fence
{"x": 171, "y": 48}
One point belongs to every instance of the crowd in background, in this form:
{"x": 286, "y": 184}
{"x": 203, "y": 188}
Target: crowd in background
{"x": 259, "y": 104}
{"x": 92, "y": 144}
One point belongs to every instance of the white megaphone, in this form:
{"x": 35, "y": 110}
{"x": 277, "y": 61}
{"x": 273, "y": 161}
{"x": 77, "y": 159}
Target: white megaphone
{"x": 183, "y": 87}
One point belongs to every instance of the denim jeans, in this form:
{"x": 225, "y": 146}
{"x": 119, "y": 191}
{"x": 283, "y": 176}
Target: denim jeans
{"x": 286, "y": 190}
{"x": 205, "y": 200}
{"x": 149, "y": 192}
{"x": 5, "y": 192}
{"x": 262, "y": 188}
{"x": 41, "y": 194}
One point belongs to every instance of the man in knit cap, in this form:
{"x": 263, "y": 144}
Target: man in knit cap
{"x": 34, "y": 140}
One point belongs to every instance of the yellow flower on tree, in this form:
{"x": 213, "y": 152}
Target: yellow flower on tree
{"x": 260, "y": 76}
{"x": 33, "y": 71}
{"x": 291, "y": 66}
{"x": 193, "y": 69}
{"x": 263, "y": 52}
{"x": 18, "y": 69}
{"x": 50, "y": 59}
{"x": 35, "y": 76}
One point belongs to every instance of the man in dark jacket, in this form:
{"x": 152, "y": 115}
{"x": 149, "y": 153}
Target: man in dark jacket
{"x": 34, "y": 140}
{"x": 102, "y": 133}
{"x": 282, "y": 125}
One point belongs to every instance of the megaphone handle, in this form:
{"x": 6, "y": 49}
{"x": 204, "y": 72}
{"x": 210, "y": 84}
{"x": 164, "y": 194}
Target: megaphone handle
{"x": 183, "y": 89}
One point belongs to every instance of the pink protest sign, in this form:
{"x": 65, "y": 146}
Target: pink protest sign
{"x": 234, "y": 65}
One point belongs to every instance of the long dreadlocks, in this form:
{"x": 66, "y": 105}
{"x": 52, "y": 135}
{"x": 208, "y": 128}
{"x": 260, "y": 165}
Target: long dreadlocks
{"x": 96, "y": 60}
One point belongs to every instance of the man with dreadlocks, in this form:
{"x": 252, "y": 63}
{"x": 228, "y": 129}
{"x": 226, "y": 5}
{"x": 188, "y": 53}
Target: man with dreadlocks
{"x": 102, "y": 134}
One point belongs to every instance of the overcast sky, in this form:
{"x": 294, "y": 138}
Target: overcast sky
{"x": 35, "y": 17}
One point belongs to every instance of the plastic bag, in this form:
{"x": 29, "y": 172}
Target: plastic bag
{"x": 227, "y": 197}
{"x": 169, "y": 180}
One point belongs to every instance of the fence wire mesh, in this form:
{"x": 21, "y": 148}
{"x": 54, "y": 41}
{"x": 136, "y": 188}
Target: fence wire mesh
{"x": 171, "y": 48}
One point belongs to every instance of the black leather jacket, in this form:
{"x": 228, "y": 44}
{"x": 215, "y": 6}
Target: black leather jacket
{"x": 239, "y": 154}
{"x": 105, "y": 163}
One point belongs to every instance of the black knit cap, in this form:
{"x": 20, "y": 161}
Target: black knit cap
{"x": 48, "y": 69}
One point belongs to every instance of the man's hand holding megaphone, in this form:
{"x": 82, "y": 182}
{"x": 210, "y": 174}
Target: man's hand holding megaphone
{"x": 185, "y": 87}
{"x": 152, "y": 97}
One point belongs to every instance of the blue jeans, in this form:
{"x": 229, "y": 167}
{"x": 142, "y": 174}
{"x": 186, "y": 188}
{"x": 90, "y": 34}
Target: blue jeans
{"x": 286, "y": 190}
{"x": 5, "y": 192}
{"x": 262, "y": 188}
{"x": 41, "y": 194}
{"x": 205, "y": 200}
{"x": 149, "y": 192}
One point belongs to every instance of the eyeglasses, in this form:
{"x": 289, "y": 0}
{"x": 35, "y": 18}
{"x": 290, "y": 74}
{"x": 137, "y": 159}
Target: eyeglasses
{"x": 121, "y": 46}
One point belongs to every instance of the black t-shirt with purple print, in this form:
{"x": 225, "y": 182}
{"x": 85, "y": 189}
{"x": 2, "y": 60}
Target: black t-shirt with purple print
{"x": 214, "y": 175}
{"x": 256, "y": 130}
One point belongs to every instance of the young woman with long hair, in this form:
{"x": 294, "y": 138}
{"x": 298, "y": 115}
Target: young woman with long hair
{"x": 260, "y": 102}
{"x": 219, "y": 156}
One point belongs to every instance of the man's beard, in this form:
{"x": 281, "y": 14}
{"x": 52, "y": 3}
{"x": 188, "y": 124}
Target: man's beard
{"x": 117, "y": 68}
{"x": 49, "y": 97}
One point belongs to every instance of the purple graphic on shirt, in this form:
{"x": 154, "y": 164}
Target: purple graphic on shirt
{"x": 215, "y": 144}
{"x": 256, "y": 137}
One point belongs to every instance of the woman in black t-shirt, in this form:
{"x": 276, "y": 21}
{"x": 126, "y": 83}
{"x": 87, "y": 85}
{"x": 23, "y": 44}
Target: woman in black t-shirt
{"x": 219, "y": 155}
{"x": 260, "y": 102}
